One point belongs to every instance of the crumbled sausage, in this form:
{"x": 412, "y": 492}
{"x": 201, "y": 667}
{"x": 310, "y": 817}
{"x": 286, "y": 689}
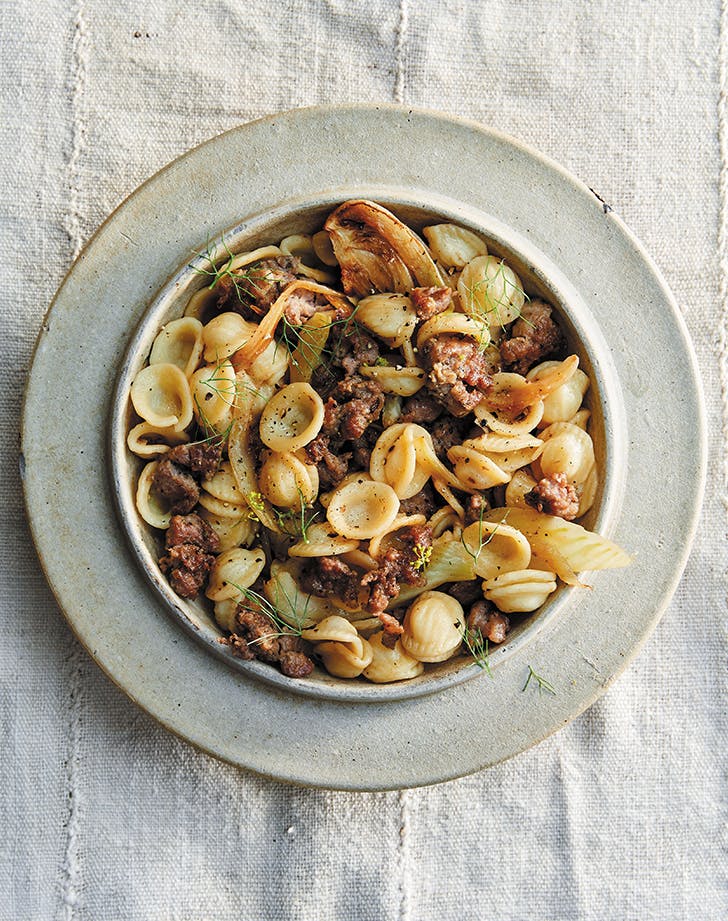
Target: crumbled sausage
{"x": 420, "y": 408}
{"x": 296, "y": 664}
{"x": 332, "y": 468}
{"x": 465, "y": 592}
{"x": 352, "y": 407}
{"x": 534, "y": 336}
{"x": 459, "y": 372}
{"x": 422, "y": 503}
{"x": 445, "y": 434}
{"x": 399, "y": 564}
{"x": 329, "y": 576}
{"x": 428, "y": 302}
{"x": 201, "y": 458}
{"x": 191, "y": 529}
{"x": 187, "y": 567}
{"x": 257, "y": 286}
{"x": 354, "y": 349}
{"x": 490, "y": 623}
{"x": 256, "y": 637}
{"x": 554, "y": 495}
{"x": 176, "y": 486}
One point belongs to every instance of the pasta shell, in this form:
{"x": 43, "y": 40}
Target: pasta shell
{"x": 324, "y": 250}
{"x": 286, "y": 481}
{"x": 201, "y": 303}
{"x": 362, "y": 510}
{"x": 491, "y": 291}
{"x": 161, "y": 395}
{"x": 224, "y": 334}
{"x": 225, "y": 612}
{"x": 394, "y": 459}
{"x": 322, "y": 541}
{"x": 214, "y": 389}
{"x": 564, "y": 402}
{"x": 389, "y": 316}
{"x": 451, "y": 323}
{"x": 333, "y": 628}
{"x": 325, "y": 497}
{"x": 146, "y": 440}
{"x": 220, "y": 508}
{"x": 178, "y": 343}
{"x": 581, "y": 419}
{"x": 454, "y": 246}
{"x": 153, "y": 509}
{"x": 496, "y": 547}
{"x": 223, "y": 485}
{"x": 587, "y": 491}
{"x": 390, "y": 664}
{"x": 520, "y": 591}
{"x": 433, "y": 627}
{"x": 234, "y": 570}
{"x": 475, "y": 471}
{"x": 345, "y": 660}
{"x": 292, "y": 418}
{"x": 567, "y": 449}
{"x": 404, "y": 382}
{"x": 231, "y": 532}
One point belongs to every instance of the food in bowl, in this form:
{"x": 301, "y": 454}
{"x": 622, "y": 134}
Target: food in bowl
{"x": 367, "y": 449}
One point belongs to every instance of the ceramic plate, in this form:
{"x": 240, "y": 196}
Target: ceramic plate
{"x": 278, "y": 173}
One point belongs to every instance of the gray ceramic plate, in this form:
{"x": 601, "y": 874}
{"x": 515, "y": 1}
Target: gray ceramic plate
{"x": 281, "y": 174}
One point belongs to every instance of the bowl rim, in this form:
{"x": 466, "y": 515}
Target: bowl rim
{"x": 163, "y": 695}
{"x": 169, "y": 303}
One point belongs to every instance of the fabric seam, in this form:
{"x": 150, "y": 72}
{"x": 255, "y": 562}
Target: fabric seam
{"x": 399, "y": 53}
{"x": 71, "y": 867}
{"x": 723, "y": 238}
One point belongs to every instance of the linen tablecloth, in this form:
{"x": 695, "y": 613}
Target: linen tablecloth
{"x": 622, "y": 814}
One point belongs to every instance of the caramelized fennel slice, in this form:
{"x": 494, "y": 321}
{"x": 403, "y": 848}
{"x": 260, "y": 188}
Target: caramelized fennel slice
{"x": 567, "y": 547}
{"x": 516, "y": 397}
{"x": 376, "y": 251}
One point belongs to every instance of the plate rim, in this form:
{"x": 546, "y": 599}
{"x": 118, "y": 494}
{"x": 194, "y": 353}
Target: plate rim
{"x": 578, "y": 186}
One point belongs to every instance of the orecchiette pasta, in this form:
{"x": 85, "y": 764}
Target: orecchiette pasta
{"x": 147, "y": 440}
{"x": 565, "y": 401}
{"x": 492, "y": 291}
{"x": 391, "y": 316}
{"x": 286, "y": 481}
{"x": 453, "y": 246}
{"x": 433, "y": 627}
{"x": 520, "y": 591}
{"x": 161, "y": 396}
{"x": 153, "y": 509}
{"x": 292, "y": 418}
{"x": 390, "y": 664}
{"x": 178, "y": 343}
{"x": 344, "y": 427}
{"x": 362, "y": 510}
{"x": 232, "y": 571}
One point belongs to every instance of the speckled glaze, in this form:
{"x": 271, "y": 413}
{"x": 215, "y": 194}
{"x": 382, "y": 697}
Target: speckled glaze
{"x": 132, "y": 277}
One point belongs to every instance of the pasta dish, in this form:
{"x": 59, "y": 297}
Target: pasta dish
{"x": 369, "y": 450}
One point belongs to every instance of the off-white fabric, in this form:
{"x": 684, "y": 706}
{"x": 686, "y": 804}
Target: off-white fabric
{"x": 619, "y": 816}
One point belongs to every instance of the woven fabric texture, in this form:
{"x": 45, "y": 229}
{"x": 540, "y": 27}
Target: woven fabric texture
{"x": 621, "y": 815}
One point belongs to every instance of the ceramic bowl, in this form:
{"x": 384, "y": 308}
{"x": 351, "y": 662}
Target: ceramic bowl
{"x": 540, "y": 277}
